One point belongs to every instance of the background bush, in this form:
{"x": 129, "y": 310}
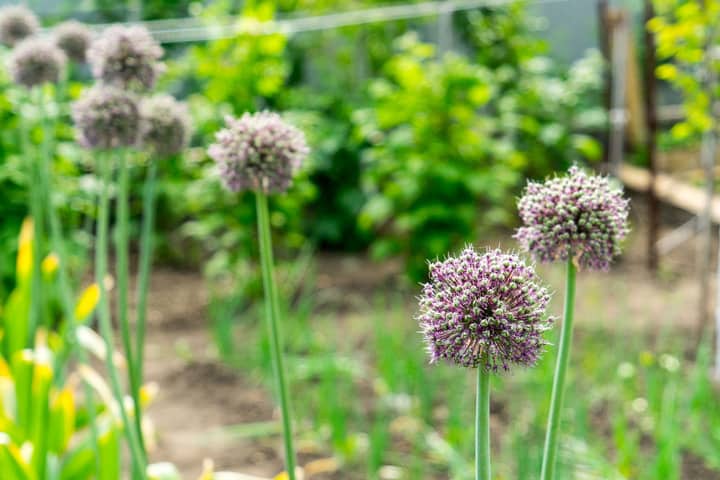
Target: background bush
{"x": 414, "y": 151}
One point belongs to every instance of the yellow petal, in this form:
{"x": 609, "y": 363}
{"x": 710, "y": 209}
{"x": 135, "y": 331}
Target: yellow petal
{"x": 50, "y": 264}
{"x": 87, "y": 303}
{"x": 148, "y": 393}
{"x": 25, "y": 250}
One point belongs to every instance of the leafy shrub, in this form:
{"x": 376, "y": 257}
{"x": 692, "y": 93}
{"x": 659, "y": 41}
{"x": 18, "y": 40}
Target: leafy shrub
{"x": 466, "y": 136}
{"x": 450, "y": 142}
{"x": 435, "y": 158}
{"x": 686, "y": 42}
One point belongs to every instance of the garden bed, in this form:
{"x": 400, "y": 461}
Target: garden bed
{"x": 206, "y": 409}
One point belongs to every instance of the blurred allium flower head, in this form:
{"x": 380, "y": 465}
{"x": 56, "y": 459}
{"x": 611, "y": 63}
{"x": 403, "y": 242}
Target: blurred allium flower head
{"x": 36, "y": 61}
{"x": 126, "y": 57}
{"x": 577, "y": 216}
{"x": 106, "y": 117}
{"x": 258, "y": 152}
{"x": 164, "y": 125}
{"x": 17, "y": 23}
{"x": 484, "y": 310}
{"x": 74, "y": 39}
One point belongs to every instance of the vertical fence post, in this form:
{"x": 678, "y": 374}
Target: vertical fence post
{"x": 604, "y": 33}
{"x": 618, "y": 111}
{"x": 650, "y": 140}
{"x": 136, "y": 11}
{"x": 708, "y": 151}
{"x": 445, "y": 28}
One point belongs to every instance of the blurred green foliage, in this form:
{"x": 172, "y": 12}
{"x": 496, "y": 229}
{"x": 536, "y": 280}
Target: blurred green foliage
{"x": 451, "y": 143}
{"x": 414, "y": 152}
{"x": 687, "y": 39}
{"x": 435, "y": 160}
{"x": 73, "y": 190}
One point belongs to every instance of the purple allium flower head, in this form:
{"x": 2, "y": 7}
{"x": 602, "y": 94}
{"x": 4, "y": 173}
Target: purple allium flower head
{"x": 74, "y": 39}
{"x": 258, "y": 152}
{"x": 16, "y": 23}
{"x": 164, "y": 125}
{"x": 126, "y": 57}
{"x": 577, "y": 216}
{"x": 106, "y": 117}
{"x": 484, "y": 310}
{"x": 36, "y": 61}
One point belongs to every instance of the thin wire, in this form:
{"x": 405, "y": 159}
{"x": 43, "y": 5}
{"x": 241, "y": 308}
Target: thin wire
{"x": 193, "y": 29}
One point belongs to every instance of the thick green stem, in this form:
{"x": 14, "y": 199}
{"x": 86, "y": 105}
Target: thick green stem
{"x": 272, "y": 314}
{"x": 558, "y": 388}
{"x": 41, "y": 197}
{"x": 144, "y": 263}
{"x": 101, "y": 257}
{"x": 36, "y": 302}
{"x": 122, "y": 240}
{"x": 482, "y": 426}
{"x": 58, "y": 246}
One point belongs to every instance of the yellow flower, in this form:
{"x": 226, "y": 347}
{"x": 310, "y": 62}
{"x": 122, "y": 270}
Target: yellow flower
{"x": 25, "y": 250}
{"x": 87, "y": 303}
{"x": 50, "y": 264}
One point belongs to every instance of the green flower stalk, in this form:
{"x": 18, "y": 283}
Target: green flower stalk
{"x": 484, "y": 311}
{"x": 260, "y": 152}
{"x": 164, "y": 132}
{"x": 57, "y": 243}
{"x": 35, "y": 312}
{"x": 107, "y": 120}
{"x": 124, "y": 60}
{"x": 122, "y": 268}
{"x": 101, "y": 259}
{"x": 32, "y": 64}
{"x": 579, "y": 219}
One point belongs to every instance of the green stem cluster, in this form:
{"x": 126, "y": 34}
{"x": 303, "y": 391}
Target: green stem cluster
{"x": 101, "y": 256}
{"x": 134, "y": 347}
{"x": 57, "y": 244}
{"x": 561, "y": 367}
{"x": 272, "y": 312}
{"x": 43, "y": 212}
{"x": 122, "y": 240}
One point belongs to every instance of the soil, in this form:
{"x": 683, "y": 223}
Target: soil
{"x": 198, "y": 396}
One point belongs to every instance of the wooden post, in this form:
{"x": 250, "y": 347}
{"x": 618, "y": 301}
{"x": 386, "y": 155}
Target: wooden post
{"x": 708, "y": 151}
{"x": 444, "y": 31}
{"x": 618, "y": 104}
{"x": 604, "y": 42}
{"x": 650, "y": 138}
